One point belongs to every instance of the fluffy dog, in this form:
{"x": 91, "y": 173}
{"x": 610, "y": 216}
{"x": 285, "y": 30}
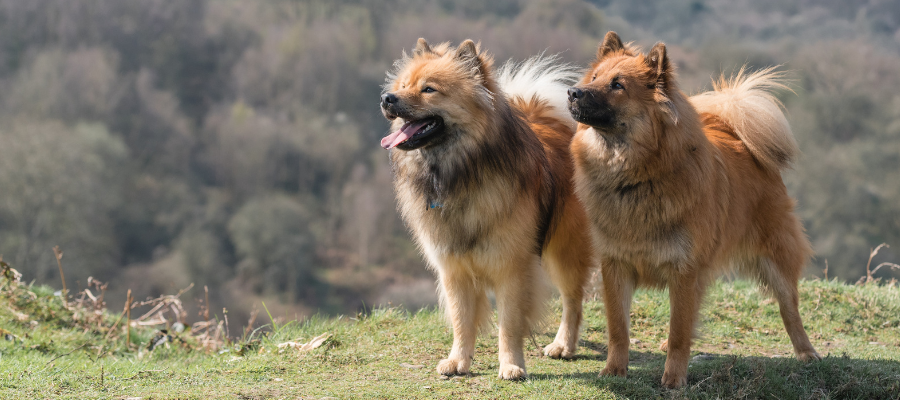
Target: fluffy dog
{"x": 679, "y": 188}
{"x": 482, "y": 174}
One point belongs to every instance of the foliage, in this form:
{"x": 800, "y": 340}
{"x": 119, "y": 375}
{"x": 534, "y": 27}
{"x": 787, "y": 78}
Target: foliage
{"x": 233, "y": 144}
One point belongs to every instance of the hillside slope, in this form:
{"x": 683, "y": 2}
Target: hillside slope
{"x": 56, "y": 351}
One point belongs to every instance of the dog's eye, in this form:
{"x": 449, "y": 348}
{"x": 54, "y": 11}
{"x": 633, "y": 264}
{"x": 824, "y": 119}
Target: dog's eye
{"x": 428, "y": 89}
{"x": 593, "y": 78}
{"x": 616, "y": 85}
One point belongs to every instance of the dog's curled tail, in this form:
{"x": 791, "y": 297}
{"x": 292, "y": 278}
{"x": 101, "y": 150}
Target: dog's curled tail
{"x": 542, "y": 78}
{"x": 746, "y": 102}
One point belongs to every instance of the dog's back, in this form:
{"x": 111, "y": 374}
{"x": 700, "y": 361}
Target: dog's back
{"x": 744, "y": 121}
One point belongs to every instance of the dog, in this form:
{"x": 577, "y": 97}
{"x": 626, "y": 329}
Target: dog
{"x": 482, "y": 175}
{"x": 678, "y": 189}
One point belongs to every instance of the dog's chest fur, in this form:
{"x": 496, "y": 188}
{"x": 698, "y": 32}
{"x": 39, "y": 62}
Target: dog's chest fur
{"x": 638, "y": 214}
{"x": 458, "y": 222}
{"x": 456, "y": 203}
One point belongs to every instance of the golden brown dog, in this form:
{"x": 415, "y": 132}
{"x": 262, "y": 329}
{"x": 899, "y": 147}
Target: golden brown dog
{"x": 678, "y": 189}
{"x": 482, "y": 174}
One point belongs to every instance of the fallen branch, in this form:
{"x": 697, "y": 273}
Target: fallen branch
{"x": 302, "y": 347}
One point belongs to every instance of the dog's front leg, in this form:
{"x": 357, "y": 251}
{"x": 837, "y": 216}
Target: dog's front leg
{"x": 465, "y": 303}
{"x": 618, "y": 288}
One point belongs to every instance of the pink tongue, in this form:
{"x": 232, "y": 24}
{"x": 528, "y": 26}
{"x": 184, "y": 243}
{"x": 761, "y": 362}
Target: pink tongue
{"x": 406, "y": 131}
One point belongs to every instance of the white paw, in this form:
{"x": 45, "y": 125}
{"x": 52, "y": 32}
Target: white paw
{"x": 512, "y": 372}
{"x": 453, "y": 366}
{"x": 557, "y": 350}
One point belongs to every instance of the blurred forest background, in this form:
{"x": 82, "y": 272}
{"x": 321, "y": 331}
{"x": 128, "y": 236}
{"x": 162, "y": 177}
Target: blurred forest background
{"x": 234, "y": 143}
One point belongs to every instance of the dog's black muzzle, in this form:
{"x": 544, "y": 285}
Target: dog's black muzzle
{"x": 590, "y": 108}
{"x": 389, "y": 106}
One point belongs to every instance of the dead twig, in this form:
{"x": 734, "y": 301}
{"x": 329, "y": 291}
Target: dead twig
{"x": 128, "y": 321}
{"x": 302, "y": 347}
{"x": 161, "y": 304}
{"x": 63, "y": 355}
{"x": 225, "y": 316}
{"x": 886, "y": 264}
{"x": 534, "y": 342}
{"x": 58, "y": 253}
{"x": 146, "y": 371}
{"x": 870, "y": 272}
{"x": 251, "y": 322}
{"x": 124, "y": 311}
{"x": 206, "y": 305}
{"x": 697, "y": 385}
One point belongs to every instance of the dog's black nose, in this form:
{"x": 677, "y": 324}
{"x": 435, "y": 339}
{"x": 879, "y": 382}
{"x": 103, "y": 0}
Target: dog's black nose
{"x": 388, "y": 98}
{"x": 575, "y": 93}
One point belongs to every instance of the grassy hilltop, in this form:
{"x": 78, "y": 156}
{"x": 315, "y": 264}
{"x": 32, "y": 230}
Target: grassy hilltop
{"x": 79, "y": 350}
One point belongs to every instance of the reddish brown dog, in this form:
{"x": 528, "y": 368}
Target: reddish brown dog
{"x": 678, "y": 189}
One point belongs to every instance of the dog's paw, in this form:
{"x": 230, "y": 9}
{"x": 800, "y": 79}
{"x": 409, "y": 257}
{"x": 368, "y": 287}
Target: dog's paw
{"x": 612, "y": 370}
{"x": 664, "y": 346}
{"x": 807, "y": 356}
{"x": 512, "y": 372}
{"x": 557, "y": 350}
{"x": 673, "y": 380}
{"x": 453, "y": 366}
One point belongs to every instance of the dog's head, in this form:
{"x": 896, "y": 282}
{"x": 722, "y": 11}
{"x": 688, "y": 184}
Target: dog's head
{"x": 436, "y": 93}
{"x": 624, "y": 90}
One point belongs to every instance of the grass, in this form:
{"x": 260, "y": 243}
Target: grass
{"x": 49, "y": 350}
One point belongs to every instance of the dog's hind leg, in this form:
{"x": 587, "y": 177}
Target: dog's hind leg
{"x": 520, "y": 301}
{"x": 571, "y": 291}
{"x": 780, "y": 273}
{"x": 467, "y": 307}
{"x": 568, "y": 259}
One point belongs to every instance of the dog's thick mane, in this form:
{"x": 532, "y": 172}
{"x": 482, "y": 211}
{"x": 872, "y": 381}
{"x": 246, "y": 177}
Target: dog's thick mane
{"x": 506, "y": 148}
{"x": 452, "y": 173}
{"x": 539, "y": 81}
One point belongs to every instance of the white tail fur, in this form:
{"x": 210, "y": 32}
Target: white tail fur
{"x": 543, "y": 77}
{"x": 747, "y": 104}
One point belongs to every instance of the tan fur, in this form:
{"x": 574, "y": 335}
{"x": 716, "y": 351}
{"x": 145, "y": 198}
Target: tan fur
{"x": 746, "y": 102}
{"x": 675, "y": 195}
{"x": 501, "y": 180}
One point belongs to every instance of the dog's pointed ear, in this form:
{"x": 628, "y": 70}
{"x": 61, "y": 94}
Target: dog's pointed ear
{"x": 658, "y": 61}
{"x": 611, "y": 43}
{"x": 422, "y": 47}
{"x": 467, "y": 51}
{"x": 467, "y": 54}
{"x": 661, "y": 71}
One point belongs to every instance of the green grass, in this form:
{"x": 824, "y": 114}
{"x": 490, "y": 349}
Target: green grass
{"x": 392, "y": 353}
